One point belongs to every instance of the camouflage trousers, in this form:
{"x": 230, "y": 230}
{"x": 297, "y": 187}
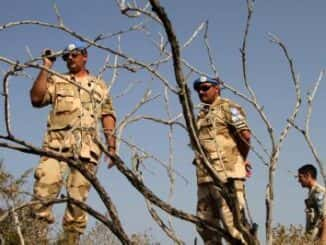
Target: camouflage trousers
{"x": 50, "y": 175}
{"x": 212, "y": 207}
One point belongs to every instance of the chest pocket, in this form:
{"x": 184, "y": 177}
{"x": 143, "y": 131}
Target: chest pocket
{"x": 218, "y": 119}
{"x": 66, "y": 98}
{"x": 205, "y": 137}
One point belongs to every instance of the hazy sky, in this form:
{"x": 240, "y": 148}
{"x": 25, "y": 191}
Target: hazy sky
{"x": 299, "y": 24}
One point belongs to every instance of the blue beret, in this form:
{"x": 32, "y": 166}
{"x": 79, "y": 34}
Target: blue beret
{"x": 75, "y": 45}
{"x": 204, "y": 79}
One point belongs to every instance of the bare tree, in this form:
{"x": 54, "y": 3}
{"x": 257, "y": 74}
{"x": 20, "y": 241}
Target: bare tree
{"x": 169, "y": 54}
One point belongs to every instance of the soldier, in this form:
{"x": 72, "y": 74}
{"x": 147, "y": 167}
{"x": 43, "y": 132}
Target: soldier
{"x": 315, "y": 203}
{"x": 224, "y": 135}
{"x": 72, "y": 130}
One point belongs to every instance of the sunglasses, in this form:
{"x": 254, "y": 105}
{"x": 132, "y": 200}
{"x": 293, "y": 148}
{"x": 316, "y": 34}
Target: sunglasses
{"x": 73, "y": 54}
{"x": 203, "y": 88}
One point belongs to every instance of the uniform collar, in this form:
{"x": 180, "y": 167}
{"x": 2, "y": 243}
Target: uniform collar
{"x": 73, "y": 77}
{"x": 314, "y": 187}
{"x": 207, "y": 107}
{"x": 217, "y": 101}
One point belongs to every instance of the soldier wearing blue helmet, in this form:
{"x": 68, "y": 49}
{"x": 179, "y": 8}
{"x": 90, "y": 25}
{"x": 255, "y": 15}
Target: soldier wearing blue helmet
{"x": 224, "y": 134}
{"x": 78, "y": 101}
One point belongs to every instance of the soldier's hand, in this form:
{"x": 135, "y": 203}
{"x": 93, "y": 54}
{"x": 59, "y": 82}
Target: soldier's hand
{"x": 248, "y": 168}
{"x": 48, "y": 58}
{"x": 195, "y": 161}
{"x": 112, "y": 152}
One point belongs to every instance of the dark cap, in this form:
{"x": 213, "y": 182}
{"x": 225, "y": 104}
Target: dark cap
{"x": 204, "y": 79}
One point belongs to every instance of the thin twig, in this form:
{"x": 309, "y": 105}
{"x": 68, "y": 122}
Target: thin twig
{"x": 209, "y": 51}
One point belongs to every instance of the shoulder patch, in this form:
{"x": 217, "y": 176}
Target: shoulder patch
{"x": 235, "y": 114}
{"x": 234, "y": 111}
{"x": 319, "y": 196}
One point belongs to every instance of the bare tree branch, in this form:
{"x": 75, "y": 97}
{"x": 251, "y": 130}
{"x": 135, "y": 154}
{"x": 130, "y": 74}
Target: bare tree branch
{"x": 169, "y": 231}
{"x": 57, "y": 13}
{"x": 90, "y": 42}
{"x": 277, "y": 148}
{"x": 18, "y": 226}
{"x": 209, "y": 52}
{"x": 153, "y": 157}
{"x": 28, "y": 148}
{"x": 306, "y": 130}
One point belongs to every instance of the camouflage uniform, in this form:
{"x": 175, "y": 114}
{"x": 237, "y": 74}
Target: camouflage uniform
{"x": 219, "y": 125}
{"x": 315, "y": 210}
{"x": 72, "y": 128}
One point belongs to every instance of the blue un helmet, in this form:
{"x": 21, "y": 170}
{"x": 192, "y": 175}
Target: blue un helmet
{"x": 76, "y": 46}
{"x": 204, "y": 79}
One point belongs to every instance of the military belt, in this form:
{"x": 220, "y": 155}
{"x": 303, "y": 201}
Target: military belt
{"x": 84, "y": 129}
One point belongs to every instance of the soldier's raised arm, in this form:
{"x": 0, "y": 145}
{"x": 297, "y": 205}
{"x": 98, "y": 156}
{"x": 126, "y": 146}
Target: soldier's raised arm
{"x": 39, "y": 88}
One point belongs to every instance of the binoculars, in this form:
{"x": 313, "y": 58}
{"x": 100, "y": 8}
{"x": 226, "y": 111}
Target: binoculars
{"x": 48, "y": 53}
